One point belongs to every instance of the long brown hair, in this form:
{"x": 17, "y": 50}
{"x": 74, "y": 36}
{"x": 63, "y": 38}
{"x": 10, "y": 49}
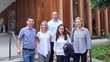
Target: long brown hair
{"x": 58, "y": 33}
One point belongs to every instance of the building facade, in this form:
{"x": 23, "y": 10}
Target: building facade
{"x": 98, "y": 21}
{"x": 42, "y": 10}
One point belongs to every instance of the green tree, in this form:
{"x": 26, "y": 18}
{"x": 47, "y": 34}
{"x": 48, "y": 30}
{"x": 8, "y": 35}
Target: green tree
{"x": 100, "y": 4}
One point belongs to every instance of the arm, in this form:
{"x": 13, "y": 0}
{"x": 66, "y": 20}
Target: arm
{"x": 55, "y": 46}
{"x": 36, "y": 45}
{"x": 20, "y": 36}
{"x": 68, "y": 39}
{"x": 88, "y": 40}
{"x": 18, "y": 46}
{"x": 89, "y": 43}
{"x": 37, "y": 42}
{"x": 55, "y": 51}
{"x": 50, "y": 39}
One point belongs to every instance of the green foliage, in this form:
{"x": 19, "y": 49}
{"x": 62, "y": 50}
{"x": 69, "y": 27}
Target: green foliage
{"x": 107, "y": 59}
{"x": 101, "y": 53}
{"x": 99, "y": 4}
{"x": 108, "y": 35}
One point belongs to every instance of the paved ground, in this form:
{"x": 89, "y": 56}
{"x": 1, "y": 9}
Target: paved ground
{"x": 4, "y": 49}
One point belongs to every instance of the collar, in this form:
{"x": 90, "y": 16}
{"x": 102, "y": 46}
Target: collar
{"x": 30, "y": 28}
{"x": 55, "y": 20}
{"x": 82, "y": 28}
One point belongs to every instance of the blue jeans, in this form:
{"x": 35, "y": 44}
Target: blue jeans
{"x": 28, "y": 56}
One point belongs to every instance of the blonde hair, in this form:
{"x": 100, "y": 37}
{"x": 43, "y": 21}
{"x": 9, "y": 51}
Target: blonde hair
{"x": 45, "y": 22}
{"x": 78, "y": 18}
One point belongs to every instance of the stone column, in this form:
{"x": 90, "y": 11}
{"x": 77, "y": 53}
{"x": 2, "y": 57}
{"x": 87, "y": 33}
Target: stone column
{"x": 98, "y": 22}
{"x": 106, "y": 20}
{"x": 89, "y": 16}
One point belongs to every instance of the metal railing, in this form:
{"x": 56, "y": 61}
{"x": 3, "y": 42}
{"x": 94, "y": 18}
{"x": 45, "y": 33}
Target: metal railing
{"x": 11, "y": 34}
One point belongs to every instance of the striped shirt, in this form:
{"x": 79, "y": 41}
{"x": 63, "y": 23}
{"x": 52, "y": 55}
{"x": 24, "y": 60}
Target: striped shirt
{"x": 27, "y": 36}
{"x": 82, "y": 40}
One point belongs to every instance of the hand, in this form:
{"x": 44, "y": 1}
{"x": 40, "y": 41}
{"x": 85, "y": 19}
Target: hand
{"x": 55, "y": 58}
{"x": 36, "y": 51}
{"x": 18, "y": 51}
{"x": 88, "y": 54}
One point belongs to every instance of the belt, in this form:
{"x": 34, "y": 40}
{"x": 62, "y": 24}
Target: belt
{"x": 29, "y": 49}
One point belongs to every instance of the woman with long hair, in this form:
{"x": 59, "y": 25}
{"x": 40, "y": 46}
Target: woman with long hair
{"x": 44, "y": 39}
{"x": 61, "y": 39}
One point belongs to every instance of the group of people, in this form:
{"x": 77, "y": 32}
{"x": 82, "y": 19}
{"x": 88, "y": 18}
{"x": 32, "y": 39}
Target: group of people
{"x": 49, "y": 41}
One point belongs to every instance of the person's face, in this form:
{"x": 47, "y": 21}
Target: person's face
{"x": 54, "y": 15}
{"x": 78, "y": 23}
{"x": 61, "y": 29}
{"x": 44, "y": 26}
{"x": 30, "y": 22}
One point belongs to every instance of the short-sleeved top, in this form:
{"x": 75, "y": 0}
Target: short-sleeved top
{"x": 52, "y": 27}
{"x": 44, "y": 43}
{"x": 82, "y": 40}
{"x": 27, "y": 36}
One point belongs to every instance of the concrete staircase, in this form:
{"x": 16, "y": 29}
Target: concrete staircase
{"x": 4, "y": 4}
{"x": 4, "y": 46}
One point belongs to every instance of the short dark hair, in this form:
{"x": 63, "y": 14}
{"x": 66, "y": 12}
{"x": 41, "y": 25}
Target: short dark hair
{"x": 29, "y": 18}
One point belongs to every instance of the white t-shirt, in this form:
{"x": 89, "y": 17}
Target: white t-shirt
{"x": 44, "y": 42}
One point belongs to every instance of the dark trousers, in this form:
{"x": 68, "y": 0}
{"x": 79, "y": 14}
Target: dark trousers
{"x": 78, "y": 55}
{"x": 61, "y": 58}
{"x": 52, "y": 52}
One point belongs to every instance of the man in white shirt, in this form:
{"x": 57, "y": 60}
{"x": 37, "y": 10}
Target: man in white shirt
{"x": 52, "y": 26}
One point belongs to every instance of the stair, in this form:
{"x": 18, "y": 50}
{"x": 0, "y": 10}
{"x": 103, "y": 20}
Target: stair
{"x": 4, "y": 4}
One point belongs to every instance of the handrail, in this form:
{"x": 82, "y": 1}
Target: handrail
{"x": 11, "y": 33}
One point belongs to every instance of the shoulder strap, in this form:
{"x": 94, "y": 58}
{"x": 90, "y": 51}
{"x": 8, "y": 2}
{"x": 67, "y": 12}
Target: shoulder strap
{"x": 68, "y": 39}
{"x": 73, "y": 34}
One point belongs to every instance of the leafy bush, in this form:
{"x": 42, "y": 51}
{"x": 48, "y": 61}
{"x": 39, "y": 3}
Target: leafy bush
{"x": 101, "y": 53}
{"x": 108, "y": 35}
{"x": 107, "y": 59}
{"x": 99, "y": 4}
